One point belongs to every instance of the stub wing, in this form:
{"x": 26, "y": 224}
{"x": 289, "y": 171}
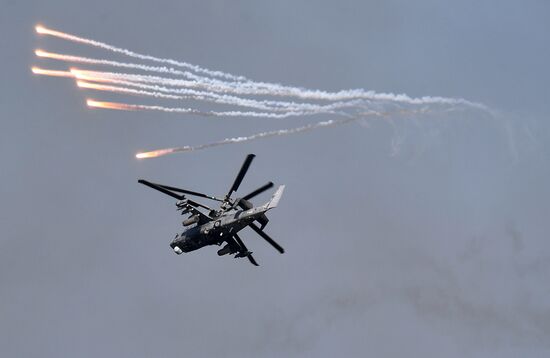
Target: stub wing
{"x": 190, "y": 208}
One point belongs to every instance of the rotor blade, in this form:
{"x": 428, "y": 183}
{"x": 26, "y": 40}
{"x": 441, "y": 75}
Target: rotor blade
{"x": 267, "y": 238}
{"x": 252, "y": 261}
{"x": 241, "y": 243}
{"x": 190, "y": 192}
{"x": 161, "y": 189}
{"x": 245, "y": 204}
{"x": 241, "y": 175}
{"x": 258, "y": 191}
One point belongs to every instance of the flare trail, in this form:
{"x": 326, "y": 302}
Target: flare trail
{"x": 172, "y": 80}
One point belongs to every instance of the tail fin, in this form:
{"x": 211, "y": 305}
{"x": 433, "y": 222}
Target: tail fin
{"x": 275, "y": 198}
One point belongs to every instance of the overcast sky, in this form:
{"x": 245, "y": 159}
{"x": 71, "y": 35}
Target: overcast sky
{"x": 426, "y": 236}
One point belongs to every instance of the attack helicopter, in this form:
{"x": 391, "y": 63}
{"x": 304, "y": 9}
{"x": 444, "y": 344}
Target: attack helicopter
{"x": 221, "y": 225}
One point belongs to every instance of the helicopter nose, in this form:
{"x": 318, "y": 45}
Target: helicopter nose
{"x": 177, "y": 250}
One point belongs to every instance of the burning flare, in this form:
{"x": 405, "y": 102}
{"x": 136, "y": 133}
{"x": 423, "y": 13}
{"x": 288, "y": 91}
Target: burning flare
{"x": 110, "y": 105}
{"x": 95, "y": 86}
{"x": 41, "y": 53}
{"x": 55, "y": 73}
{"x": 154, "y": 153}
{"x": 41, "y": 29}
{"x": 89, "y": 76}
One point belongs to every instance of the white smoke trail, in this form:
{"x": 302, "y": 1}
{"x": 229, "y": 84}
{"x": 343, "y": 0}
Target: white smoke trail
{"x": 94, "y": 61}
{"x": 234, "y": 140}
{"x": 261, "y": 88}
{"x": 222, "y": 113}
{"x": 45, "y": 31}
{"x": 143, "y": 107}
{"x": 273, "y": 89}
{"x": 270, "y": 88}
{"x": 126, "y": 90}
{"x": 218, "y": 87}
{"x": 267, "y": 105}
{"x": 279, "y": 132}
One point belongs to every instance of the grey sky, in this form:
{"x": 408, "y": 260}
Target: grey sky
{"x": 428, "y": 237}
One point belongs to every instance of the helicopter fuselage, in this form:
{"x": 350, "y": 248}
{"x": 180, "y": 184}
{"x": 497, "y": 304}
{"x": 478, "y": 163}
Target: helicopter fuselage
{"x": 216, "y": 231}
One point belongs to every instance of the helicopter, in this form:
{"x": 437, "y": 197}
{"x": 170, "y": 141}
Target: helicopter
{"x": 221, "y": 225}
